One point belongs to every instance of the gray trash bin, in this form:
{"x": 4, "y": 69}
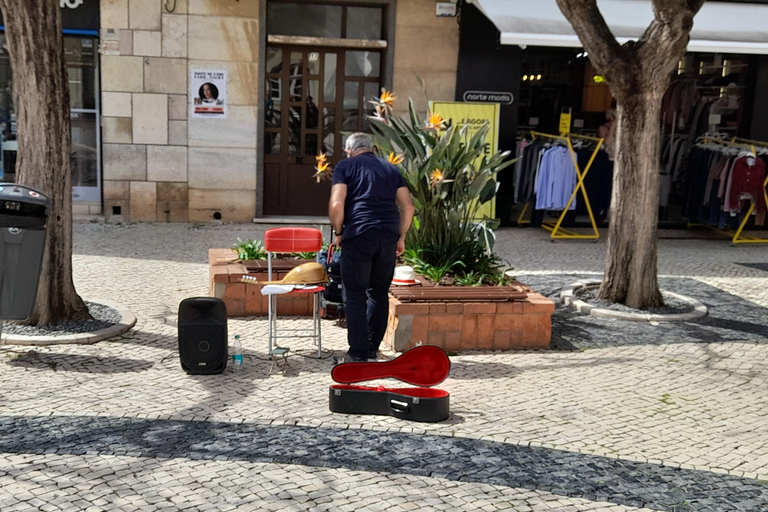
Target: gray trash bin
{"x": 23, "y": 219}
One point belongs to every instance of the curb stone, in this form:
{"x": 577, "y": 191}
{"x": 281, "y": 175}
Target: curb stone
{"x": 568, "y": 294}
{"x": 127, "y": 321}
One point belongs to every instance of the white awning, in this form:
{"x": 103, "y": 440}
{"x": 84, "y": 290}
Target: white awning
{"x": 718, "y": 27}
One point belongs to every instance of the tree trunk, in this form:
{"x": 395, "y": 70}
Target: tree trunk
{"x": 638, "y": 73}
{"x": 41, "y": 101}
{"x": 630, "y": 270}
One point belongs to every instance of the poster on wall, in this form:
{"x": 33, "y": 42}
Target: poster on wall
{"x": 208, "y": 90}
{"x": 474, "y": 115}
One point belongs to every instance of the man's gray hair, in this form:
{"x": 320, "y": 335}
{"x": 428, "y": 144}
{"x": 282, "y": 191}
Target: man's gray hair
{"x": 359, "y": 141}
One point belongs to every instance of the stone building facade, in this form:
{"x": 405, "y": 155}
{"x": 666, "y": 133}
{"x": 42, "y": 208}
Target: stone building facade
{"x": 162, "y": 165}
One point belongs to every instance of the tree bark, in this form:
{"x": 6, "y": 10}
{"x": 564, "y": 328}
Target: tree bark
{"x": 41, "y": 100}
{"x": 638, "y": 73}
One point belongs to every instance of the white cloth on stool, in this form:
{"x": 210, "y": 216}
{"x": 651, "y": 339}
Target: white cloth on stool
{"x": 277, "y": 289}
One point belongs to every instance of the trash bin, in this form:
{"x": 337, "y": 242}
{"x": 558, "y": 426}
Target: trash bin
{"x": 23, "y": 220}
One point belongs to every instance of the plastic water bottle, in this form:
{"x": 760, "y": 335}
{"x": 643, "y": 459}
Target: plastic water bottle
{"x": 237, "y": 353}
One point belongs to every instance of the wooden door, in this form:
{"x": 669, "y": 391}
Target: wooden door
{"x": 315, "y": 96}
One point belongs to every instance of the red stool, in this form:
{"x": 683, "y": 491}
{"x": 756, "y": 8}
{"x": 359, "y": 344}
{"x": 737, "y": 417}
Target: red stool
{"x": 288, "y": 240}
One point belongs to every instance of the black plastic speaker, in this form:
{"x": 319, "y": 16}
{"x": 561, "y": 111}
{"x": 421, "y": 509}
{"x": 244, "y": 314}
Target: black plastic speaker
{"x": 203, "y": 335}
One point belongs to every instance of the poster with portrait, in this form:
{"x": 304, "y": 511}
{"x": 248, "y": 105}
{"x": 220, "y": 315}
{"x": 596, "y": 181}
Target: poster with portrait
{"x": 208, "y": 90}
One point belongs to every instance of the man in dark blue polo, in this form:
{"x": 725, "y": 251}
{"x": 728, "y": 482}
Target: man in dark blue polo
{"x": 370, "y": 211}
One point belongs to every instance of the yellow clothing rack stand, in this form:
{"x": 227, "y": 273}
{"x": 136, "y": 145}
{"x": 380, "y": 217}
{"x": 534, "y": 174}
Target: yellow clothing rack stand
{"x": 739, "y": 237}
{"x": 556, "y": 230}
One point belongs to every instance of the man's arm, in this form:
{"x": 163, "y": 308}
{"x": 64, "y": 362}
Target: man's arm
{"x": 336, "y": 209}
{"x": 406, "y": 216}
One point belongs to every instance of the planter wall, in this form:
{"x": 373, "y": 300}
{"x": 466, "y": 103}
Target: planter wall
{"x": 246, "y": 299}
{"x": 523, "y": 321}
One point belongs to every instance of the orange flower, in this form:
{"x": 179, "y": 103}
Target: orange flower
{"x": 395, "y": 159}
{"x": 436, "y": 177}
{"x": 384, "y": 103}
{"x": 387, "y": 98}
{"x": 435, "y": 122}
{"x": 323, "y": 168}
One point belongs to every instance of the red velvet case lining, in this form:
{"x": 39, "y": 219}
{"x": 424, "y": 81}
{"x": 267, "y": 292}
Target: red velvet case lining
{"x": 421, "y": 366}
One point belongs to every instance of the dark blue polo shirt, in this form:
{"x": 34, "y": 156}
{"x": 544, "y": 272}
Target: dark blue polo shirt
{"x": 371, "y": 202}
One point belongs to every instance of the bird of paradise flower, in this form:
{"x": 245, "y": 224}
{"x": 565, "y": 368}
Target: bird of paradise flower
{"x": 436, "y": 177}
{"x": 323, "y": 169}
{"x": 395, "y": 159}
{"x": 435, "y": 122}
{"x": 384, "y": 104}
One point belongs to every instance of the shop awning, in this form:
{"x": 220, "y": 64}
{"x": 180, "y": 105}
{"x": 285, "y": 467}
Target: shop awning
{"x": 718, "y": 27}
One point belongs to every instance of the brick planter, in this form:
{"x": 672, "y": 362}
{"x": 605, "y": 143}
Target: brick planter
{"x": 246, "y": 299}
{"x": 521, "y": 321}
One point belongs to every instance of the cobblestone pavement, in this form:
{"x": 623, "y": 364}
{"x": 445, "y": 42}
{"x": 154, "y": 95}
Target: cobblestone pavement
{"x": 617, "y": 416}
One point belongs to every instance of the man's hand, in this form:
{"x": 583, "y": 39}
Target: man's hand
{"x": 400, "y": 247}
{"x": 337, "y": 243}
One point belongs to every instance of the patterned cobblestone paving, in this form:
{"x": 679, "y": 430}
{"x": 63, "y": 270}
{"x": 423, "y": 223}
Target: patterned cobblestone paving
{"x": 619, "y": 415}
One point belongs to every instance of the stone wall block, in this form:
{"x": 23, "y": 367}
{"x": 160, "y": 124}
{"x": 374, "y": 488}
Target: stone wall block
{"x": 174, "y": 36}
{"x": 125, "y": 162}
{"x": 223, "y": 39}
{"x": 177, "y": 133}
{"x": 172, "y": 191}
{"x": 237, "y": 130}
{"x": 143, "y": 201}
{"x": 147, "y": 43}
{"x": 117, "y": 189}
{"x": 150, "y": 119}
{"x": 219, "y": 8}
{"x": 222, "y": 168}
{"x": 116, "y": 130}
{"x": 122, "y": 74}
{"x": 114, "y": 13}
{"x": 172, "y": 211}
{"x": 166, "y": 76}
{"x": 125, "y": 42}
{"x": 167, "y": 163}
{"x": 233, "y": 205}
{"x": 116, "y": 104}
{"x": 178, "y": 106}
{"x": 144, "y": 14}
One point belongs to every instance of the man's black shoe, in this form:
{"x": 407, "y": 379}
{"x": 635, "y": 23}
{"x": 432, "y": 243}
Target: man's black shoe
{"x": 346, "y": 358}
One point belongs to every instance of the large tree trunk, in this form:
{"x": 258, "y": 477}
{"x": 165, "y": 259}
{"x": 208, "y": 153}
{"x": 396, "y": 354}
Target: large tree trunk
{"x": 630, "y": 271}
{"x": 41, "y": 100}
{"x": 638, "y": 73}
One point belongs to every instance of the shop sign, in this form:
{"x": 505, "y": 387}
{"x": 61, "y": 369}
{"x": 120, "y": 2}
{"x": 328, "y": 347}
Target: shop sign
{"x": 474, "y": 115}
{"x": 77, "y": 14}
{"x": 208, "y": 93}
{"x": 565, "y": 122}
{"x": 505, "y": 98}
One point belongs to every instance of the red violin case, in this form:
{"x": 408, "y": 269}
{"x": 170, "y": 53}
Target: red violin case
{"x": 421, "y": 366}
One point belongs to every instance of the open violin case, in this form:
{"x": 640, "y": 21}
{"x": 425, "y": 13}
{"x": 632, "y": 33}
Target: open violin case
{"x": 423, "y": 366}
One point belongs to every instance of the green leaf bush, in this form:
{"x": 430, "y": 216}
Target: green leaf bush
{"x": 449, "y": 183}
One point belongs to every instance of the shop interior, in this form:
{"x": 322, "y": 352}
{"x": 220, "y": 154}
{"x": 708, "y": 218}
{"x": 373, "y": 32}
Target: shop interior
{"x": 705, "y": 124}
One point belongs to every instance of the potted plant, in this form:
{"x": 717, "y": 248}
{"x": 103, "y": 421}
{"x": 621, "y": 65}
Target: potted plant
{"x": 450, "y": 179}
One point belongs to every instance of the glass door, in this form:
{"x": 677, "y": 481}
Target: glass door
{"x": 315, "y": 96}
{"x": 82, "y": 70}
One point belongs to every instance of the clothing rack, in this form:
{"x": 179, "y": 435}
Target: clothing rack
{"x": 739, "y": 237}
{"x": 556, "y": 230}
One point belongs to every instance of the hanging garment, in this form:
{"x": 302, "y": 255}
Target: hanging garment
{"x": 747, "y": 177}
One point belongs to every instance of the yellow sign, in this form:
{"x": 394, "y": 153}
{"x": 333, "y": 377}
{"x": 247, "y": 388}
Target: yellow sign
{"x": 474, "y": 115}
{"x": 565, "y": 122}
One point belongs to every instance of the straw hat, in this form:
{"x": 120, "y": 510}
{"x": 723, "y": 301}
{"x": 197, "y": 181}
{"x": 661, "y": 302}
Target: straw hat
{"x": 306, "y": 273}
{"x": 404, "y": 276}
